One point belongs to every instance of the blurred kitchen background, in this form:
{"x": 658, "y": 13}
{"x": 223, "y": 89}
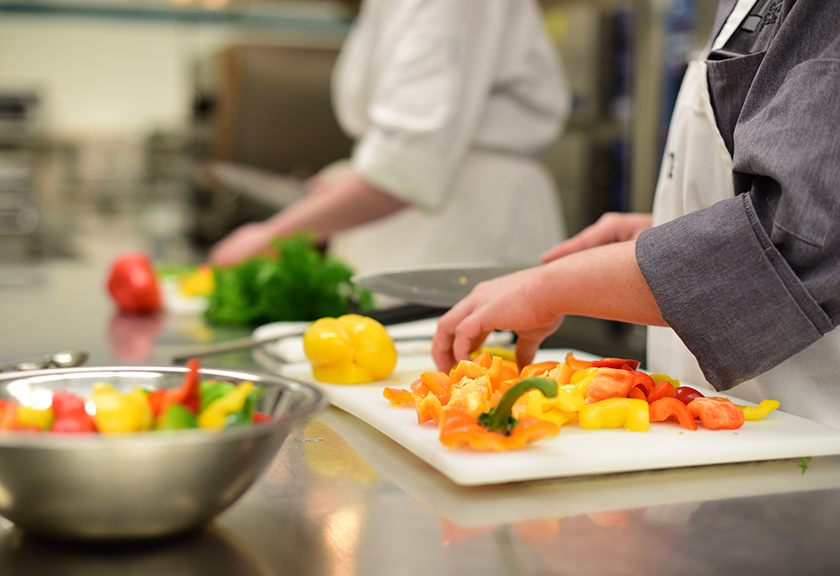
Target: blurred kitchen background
{"x": 142, "y": 124}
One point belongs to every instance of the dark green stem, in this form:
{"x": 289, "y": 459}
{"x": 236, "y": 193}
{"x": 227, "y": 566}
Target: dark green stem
{"x": 498, "y": 419}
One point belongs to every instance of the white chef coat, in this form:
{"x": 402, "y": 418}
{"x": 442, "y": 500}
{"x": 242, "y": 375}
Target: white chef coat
{"x": 449, "y": 102}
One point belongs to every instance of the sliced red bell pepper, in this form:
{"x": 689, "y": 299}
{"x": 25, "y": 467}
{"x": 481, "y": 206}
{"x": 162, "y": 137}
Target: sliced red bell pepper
{"x": 618, "y": 363}
{"x": 187, "y": 393}
{"x": 609, "y": 383}
{"x": 686, "y": 394}
{"x": 662, "y": 390}
{"x": 669, "y": 408}
{"x": 717, "y": 413}
{"x": 70, "y": 414}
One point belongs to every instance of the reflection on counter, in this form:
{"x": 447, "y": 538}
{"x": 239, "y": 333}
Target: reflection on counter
{"x": 212, "y": 550}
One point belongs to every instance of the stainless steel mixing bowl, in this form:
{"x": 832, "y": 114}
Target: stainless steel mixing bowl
{"x": 141, "y": 485}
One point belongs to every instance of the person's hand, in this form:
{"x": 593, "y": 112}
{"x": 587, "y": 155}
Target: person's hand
{"x": 242, "y": 243}
{"x": 505, "y": 303}
{"x": 610, "y": 227}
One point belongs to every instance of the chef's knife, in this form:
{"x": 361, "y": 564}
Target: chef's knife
{"x": 442, "y": 286}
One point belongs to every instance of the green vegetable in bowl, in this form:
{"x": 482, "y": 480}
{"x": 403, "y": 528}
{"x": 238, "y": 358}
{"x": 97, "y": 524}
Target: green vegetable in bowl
{"x": 298, "y": 284}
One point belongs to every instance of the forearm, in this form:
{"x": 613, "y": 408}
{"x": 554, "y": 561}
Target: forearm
{"x": 602, "y": 282}
{"x": 344, "y": 204}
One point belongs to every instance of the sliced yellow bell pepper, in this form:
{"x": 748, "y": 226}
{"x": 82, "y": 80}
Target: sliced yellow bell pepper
{"x": 582, "y": 377}
{"x": 118, "y": 412}
{"x": 560, "y": 409}
{"x": 757, "y": 412}
{"x": 350, "y": 349}
{"x": 43, "y": 419}
{"x": 628, "y": 413}
{"x": 216, "y": 413}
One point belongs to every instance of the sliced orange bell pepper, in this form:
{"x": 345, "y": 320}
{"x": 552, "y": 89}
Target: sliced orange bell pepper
{"x": 460, "y": 430}
{"x": 539, "y": 369}
{"x": 669, "y": 408}
{"x": 717, "y": 413}
{"x": 428, "y": 409}
{"x": 398, "y": 397}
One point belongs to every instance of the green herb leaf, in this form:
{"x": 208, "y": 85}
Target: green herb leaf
{"x": 299, "y": 284}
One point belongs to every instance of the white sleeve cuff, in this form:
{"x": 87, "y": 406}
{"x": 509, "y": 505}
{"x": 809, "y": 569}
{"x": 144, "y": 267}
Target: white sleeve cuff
{"x": 419, "y": 179}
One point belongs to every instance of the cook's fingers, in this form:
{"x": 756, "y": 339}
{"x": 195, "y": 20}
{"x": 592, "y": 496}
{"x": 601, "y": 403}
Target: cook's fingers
{"x": 526, "y": 350}
{"x": 442, "y": 343}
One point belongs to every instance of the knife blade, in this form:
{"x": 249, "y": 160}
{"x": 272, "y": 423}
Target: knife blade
{"x": 440, "y": 286}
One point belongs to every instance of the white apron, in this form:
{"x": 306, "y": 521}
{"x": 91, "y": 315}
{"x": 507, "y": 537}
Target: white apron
{"x": 696, "y": 173}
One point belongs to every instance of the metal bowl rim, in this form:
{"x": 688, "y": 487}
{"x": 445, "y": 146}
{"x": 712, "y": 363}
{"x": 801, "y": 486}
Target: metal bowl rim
{"x": 16, "y": 439}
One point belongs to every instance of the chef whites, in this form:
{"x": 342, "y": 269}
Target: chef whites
{"x": 696, "y": 173}
{"x": 450, "y": 101}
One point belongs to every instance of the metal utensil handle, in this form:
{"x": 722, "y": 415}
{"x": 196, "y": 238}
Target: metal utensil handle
{"x": 37, "y": 362}
{"x": 229, "y": 346}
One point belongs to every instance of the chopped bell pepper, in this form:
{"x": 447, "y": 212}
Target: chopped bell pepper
{"x": 717, "y": 413}
{"x": 757, "y": 412}
{"x": 609, "y": 383}
{"x": 669, "y": 408}
{"x": 350, "y": 349}
{"x": 70, "y": 415}
{"x": 8, "y": 416}
{"x": 663, "y": 389}
{"x": 619, "y": 363}
{"x": 215, "y": 415}
{"x": 628, "y": 413}
{"x": 686, "y": 394}
{"x": 176, "y": 417}
{"x": 497, "y": 429}
{"x": 42, "y": 418}
{"x": 213, "y": 389}
{"x": 560, "y": 409}
{"x": 117, "y": 412}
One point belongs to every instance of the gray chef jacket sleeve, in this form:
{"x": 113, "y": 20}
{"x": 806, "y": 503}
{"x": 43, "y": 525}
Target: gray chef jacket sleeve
{"x": 752, "y": 280}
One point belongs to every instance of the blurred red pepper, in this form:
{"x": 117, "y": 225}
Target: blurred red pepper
{"x": 187, "y": 394}
{"x": 70, "y": 414}
{"x": 132, "y": 283}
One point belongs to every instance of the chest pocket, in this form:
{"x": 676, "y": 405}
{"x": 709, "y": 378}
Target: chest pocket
{"x": 729, "y": 82}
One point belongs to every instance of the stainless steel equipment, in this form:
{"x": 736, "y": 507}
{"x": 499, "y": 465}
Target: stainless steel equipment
{"x": 440, "y": 286}
{"x": 139, "y": 485}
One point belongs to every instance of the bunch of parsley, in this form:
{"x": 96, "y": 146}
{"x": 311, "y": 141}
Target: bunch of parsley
{"x": 298, "y": 284}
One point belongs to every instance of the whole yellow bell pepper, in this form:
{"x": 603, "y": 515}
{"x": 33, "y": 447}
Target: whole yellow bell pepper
{"x": 628, "y": 413}
{"x": 119, "y": 412}
{"x": 350, "y": 349}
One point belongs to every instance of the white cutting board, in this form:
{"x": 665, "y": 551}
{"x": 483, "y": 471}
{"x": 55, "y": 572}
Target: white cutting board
{"x": 574, "y": 452}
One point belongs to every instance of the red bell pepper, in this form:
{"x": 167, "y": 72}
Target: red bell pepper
{"x": 618, "y": 363}
{"x": 686, "y": 394}
{"x": 717, "y": 413}
{"x": 70, "y": 415}
{"x": 668, "y": 408}
{"x": 662, "y": 390}
{"x": 133, "y": 284}
{"x": 187, "y": 393}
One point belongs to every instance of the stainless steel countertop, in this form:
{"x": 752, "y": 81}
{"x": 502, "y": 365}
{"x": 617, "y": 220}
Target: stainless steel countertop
{"x": 342, "y": 499}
